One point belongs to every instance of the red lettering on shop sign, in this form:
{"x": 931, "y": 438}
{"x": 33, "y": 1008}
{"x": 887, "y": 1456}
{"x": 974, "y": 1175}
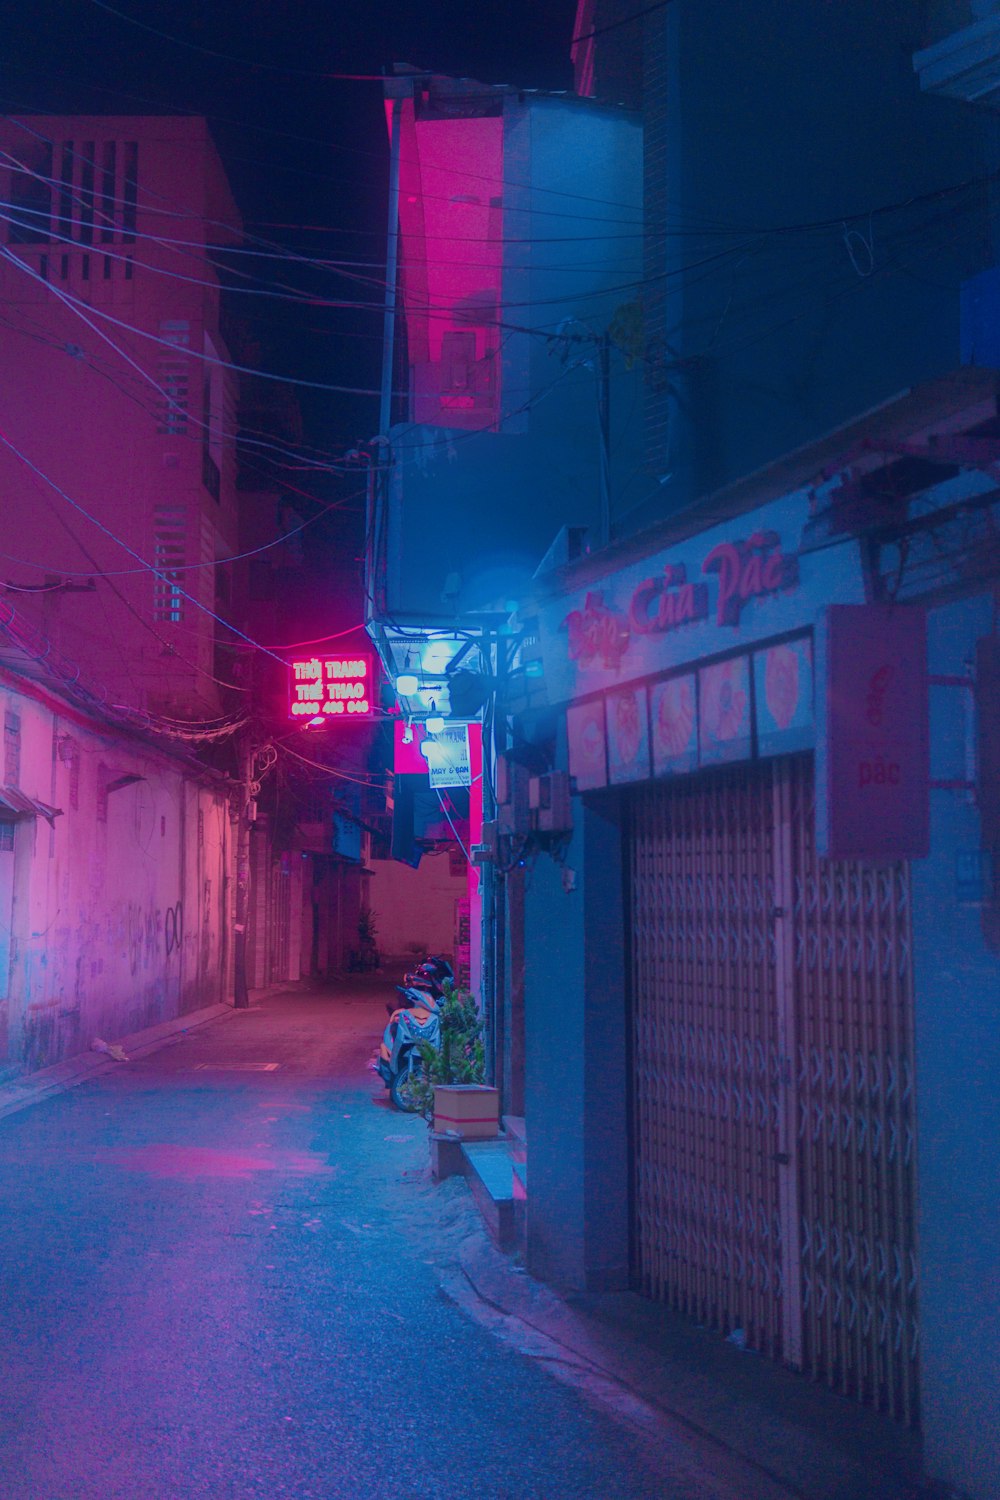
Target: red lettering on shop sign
{"x": 597, "y": 631}
{"x": 663, "y": 603}
{"x": 878, "y": 686}
{"x": 748, "y": 570}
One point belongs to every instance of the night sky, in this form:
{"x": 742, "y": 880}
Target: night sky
{"x": 301, "y": 148}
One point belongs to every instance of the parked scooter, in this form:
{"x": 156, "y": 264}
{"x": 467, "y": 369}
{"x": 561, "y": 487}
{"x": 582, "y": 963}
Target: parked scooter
{"x": 411, "y": 1022}
{"x": 434, "y": 971}
{"x": 429, "y": 976}
{"x": 399, "y": 1062}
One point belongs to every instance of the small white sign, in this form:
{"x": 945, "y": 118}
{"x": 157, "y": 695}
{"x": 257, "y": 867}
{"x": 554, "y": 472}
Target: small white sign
{"x": 447, "y": 755}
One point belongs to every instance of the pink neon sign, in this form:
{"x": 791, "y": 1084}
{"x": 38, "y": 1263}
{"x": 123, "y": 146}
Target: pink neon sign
{"x": 335, "y": 687}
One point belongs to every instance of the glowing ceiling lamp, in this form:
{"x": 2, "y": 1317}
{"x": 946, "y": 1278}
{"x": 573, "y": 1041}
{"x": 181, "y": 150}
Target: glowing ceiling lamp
{"x": 407, "y": 682}
{"x": 434, "y": 723}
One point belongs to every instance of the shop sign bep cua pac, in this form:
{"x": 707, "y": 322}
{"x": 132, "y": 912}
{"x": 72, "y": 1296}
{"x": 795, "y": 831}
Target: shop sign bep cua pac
{"x": 733, "y": 647}
{"x": 695, "y": 600}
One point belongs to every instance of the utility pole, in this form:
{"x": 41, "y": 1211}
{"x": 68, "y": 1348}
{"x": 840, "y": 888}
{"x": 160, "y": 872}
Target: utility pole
{"x": 241, "y": 993}
{"x": 604, "y": 423}
{"x": 255, "y": 760}
{"x": 488, "y": 884}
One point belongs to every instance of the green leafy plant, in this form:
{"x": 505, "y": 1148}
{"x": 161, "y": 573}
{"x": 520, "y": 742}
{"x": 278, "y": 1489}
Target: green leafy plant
{"x": 461, "y": 1057}
{"x": 365, "y": 957}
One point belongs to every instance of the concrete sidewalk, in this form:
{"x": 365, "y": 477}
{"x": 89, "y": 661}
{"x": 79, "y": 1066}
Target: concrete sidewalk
{"x": 800, "y": 1438}
{"x": 30, "y": 1088}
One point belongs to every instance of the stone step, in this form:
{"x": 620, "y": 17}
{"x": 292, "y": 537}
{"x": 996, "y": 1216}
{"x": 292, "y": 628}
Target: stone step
{"x": 489, "y": 1170}
{"x": 516, "y": 1136}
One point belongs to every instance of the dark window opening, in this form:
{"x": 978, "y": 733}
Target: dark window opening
{"x": 66, "y": 191}
{"x": 31, "y": 199}
{"x": 107, "y": 268}
{"x": 85, "y": 267}
{"x": 128, "y": 269}
{"x": 108, "y": 192}
{"x": 64, "y": 267}
{"x": 210, "y": 476}
{"x": 87, "y": 193}
{"x": 130, "y": 191}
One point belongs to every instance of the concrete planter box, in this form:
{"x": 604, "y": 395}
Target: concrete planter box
{"x": 470, "y": 1111}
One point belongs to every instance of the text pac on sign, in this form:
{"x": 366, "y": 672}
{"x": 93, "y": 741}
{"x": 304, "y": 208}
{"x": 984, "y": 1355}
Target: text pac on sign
{"x": 330, "y": 687}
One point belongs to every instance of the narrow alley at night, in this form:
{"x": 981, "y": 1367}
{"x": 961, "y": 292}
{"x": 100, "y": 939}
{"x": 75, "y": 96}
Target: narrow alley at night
{"x": 227, "y": 1274}
{"x": 500, "y": 796}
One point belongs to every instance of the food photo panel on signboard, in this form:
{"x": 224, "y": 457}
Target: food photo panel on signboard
{"x": 673, "y": 715}
{"x": 588, "y": 759}
{"x": 783, "y": 697}
{"x": 628, "y": 736}
{"x": 724, "y": 721}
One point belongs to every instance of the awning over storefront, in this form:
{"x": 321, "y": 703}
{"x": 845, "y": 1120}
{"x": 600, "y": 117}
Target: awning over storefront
{"x": 17, "y": 804}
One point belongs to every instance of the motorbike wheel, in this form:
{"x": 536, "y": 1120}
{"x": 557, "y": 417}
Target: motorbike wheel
{"x": 401, "y": 1088}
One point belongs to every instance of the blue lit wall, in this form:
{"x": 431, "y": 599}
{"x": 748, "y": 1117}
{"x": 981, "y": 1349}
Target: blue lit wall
{"x": 956, "y": 965}
{"x": 777, "y": 308}
{"x": 479, "y": 509}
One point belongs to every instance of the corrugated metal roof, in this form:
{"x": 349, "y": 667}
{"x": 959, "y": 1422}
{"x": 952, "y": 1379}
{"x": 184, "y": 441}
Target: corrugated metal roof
{"x": 13, "y": 800}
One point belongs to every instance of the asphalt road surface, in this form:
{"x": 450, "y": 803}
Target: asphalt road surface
{"x": 219, "y": 1276}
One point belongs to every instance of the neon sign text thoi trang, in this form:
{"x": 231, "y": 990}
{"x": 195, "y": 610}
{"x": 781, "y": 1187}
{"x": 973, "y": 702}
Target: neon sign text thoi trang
{"x": 330, "y": 686}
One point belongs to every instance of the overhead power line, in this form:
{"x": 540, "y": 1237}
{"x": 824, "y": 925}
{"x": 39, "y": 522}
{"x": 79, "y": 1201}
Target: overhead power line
{"x": 150, "y": 567}
{"x": 585, "y": 36}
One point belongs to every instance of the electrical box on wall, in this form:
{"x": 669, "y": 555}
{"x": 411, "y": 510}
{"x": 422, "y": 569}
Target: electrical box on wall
{"x": 485, "y": 852}
{"x": 549, "y": 802}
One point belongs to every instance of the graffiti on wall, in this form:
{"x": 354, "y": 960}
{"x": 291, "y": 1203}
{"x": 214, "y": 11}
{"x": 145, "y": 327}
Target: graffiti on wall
{"x": 152, "y": 934}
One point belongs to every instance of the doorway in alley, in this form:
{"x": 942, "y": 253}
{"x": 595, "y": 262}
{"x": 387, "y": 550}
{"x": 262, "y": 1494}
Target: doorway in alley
{"x": 772, "y": 1080}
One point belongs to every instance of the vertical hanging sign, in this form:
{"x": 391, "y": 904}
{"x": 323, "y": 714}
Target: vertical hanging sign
{"x": 448, "y": 758}
{"x": 872, "y": 757}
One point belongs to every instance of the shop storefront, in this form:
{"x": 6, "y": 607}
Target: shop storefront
{"x": 753, "y": 730}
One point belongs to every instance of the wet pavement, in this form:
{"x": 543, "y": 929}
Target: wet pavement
{"x": 226, "y": 1273}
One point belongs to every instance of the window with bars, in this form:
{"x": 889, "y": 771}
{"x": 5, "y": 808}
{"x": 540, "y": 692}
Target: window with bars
{"x": 169, "y": 547}
{"x": 211, "y": 416}
{"x": 173, "y": 379}
{"x": 7, "y": 836}
{"x": 11, "y": 749}
{"x": 72, "y": 190}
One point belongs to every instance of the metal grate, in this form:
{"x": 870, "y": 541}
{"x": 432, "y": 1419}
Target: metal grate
{"x": 706, "y": 1096}
{"x": 772, "y": 1106}
{"x": 854, "y": 1103}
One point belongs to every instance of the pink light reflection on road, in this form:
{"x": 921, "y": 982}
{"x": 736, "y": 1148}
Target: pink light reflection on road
{"x": 166, "y": 1160}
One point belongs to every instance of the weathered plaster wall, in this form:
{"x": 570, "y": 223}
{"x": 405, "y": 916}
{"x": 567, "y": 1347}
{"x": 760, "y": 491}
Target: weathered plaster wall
{"x": 415, "y": 909}
{"x": 115, "y": 919}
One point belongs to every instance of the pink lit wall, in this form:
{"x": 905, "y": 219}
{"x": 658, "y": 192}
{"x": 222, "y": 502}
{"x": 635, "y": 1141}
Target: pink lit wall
{"x": 112, "y": 919}
{"x": 112, "y": 418}
{"x": 451, "y": 221}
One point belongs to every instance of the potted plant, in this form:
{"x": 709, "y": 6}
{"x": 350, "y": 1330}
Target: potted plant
{"x": 451, "y": 1092}
{"x": 365, "y": 957}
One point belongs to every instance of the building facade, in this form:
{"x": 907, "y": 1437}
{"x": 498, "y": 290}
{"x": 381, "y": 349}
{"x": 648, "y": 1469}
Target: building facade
{"x": 776, "y": 702}
{"x": 740, "y": 877}
{"x": 115, "y": 870}
{"x": 119, "y": 487}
